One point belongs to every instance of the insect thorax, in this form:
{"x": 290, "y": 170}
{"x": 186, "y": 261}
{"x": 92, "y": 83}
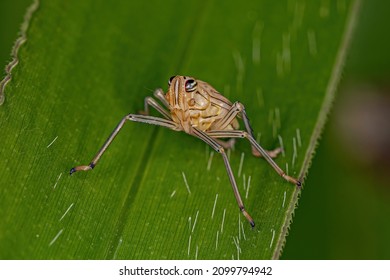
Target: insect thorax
{"x": 198, "y": 105}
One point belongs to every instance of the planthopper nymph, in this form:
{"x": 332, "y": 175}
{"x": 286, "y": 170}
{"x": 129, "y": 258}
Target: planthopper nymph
{"x": 195, "y": 107}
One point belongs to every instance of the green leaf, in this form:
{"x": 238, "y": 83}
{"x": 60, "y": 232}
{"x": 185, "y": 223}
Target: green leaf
{"x": 87, "y": 64}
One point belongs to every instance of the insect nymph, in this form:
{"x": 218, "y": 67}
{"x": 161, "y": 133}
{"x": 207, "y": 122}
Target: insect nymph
{"x": 195, "y": 107}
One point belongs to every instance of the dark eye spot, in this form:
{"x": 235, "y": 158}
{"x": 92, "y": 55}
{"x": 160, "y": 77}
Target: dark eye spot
{"x": 170, "y": 80}
{"x": 190, "y": 85}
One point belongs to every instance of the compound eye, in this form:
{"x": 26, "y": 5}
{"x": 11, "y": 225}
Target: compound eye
{"x": 170, "y": 80}
{"x": 191, "y": 85}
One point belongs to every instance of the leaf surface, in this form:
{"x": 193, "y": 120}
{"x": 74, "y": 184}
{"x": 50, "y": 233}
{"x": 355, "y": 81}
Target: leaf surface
{"x": 87, "y": 64}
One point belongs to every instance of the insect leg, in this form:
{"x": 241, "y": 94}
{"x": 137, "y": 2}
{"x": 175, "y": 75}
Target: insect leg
{"x": 229, "y": 144}
{"x": 229, "y": 117}
{"x": 273, "y": 154}
{"x": 149, "y": 101}
{"x": 264, "y": 153}
{"x": 159, "y": 94}
{"x": 214, "y": 144}
{"x": 239, "y": 109}
{"x": 135, "y": 118}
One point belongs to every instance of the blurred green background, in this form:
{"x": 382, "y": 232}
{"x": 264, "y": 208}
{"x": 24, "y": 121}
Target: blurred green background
{"x": 344, "y": 209}
{"x": 344, "y": 213}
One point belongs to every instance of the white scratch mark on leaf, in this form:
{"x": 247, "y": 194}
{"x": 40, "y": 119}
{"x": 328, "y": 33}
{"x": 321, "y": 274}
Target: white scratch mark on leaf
{"x": 281, "y": 145}
{"x": 248, "y": 186}
{"x": 277, "y": 117}
{"x": 256, "y": 42}
{"x": 229, "y": 151}
{"x": 237, "y": 243}
{"x": 117, "y": 247}
{"x": 299, "y": 137}
{"x": 215, "y": 203}
{"x": 210, "y": 160}
{"x": 66, "y": 212}
{"x": 241, "y": 164}
{"x": 59, "y": 177}
{"x": 56, "y": 237}
{"x": 223, "y": 219}
{"x": 295, "y": 153}
{"x": 258, "y": 137}
{"x": 189, "y": 246}
{"x": 216, "y": 240}
{"x": 196, "y": 218}
{"x": 186, "y": 183}
{"x": 51, "y": 143}
{"x": 243, "y": 232}
{"x": 272, "y": 239}
{"x": 239, "y": 62}
{"x": 286, "y": 53}
{"x": 274, "y": 120}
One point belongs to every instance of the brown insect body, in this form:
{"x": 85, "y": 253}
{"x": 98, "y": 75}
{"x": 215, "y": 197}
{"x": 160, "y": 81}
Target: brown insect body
{"x": 199, "y": 106}
{"x": 198, "y": 109}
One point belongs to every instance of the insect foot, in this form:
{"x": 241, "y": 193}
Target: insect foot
{"x": 81, "y": 168}
{"x": 248, "y": 217}
{"x": 292, "y": 180}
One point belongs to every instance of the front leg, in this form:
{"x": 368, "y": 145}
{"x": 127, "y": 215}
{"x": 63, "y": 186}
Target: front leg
{"x": 131, "y": 117}
{"x": 149, "y": 101}
{"x": 217, "y": 147}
